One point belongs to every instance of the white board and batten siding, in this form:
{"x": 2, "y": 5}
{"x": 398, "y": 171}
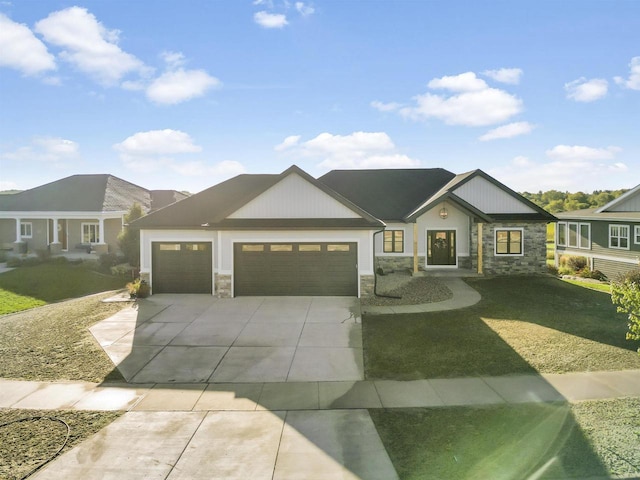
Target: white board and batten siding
{"x": 631, "y": 204}
{"x": 490, "y": 198}
{"x": 294, "y": 197}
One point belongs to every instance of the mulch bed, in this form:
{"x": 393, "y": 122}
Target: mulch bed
{"x": 416, "y": 291}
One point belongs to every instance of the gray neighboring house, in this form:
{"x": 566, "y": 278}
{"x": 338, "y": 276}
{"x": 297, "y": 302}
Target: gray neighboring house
{"x": 292, "y": 234}
{"x": 80, "y": 212}
{"x": 609, "y": 236}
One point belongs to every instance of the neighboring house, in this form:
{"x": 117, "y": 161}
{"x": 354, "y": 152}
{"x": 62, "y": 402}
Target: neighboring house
{"x": 292, "y": 234}
{"x": 609, "y": 236}
{"x": 80, "y": 212}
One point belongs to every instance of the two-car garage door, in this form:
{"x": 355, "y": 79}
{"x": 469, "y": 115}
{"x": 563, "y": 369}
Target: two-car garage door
{"x": 295, "y": 269}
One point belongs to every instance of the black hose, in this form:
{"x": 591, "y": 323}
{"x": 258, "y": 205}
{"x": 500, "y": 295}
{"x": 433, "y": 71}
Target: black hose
{"x": 64, "y": 444}
{"x": 375, "y": 273}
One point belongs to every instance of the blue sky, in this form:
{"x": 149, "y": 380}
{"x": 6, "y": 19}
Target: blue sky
{"x": 183, "y": 95}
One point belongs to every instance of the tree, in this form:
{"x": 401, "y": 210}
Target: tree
{"x": 129, "y": 237}
{"x": 625, "y": 294}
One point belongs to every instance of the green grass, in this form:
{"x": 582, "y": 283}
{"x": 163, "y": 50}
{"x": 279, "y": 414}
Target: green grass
{"x": 521, "y": 325}
{"x": 600, "y": 287}
{"x": 30, "y": 286}
{"x": 593, "y": 439}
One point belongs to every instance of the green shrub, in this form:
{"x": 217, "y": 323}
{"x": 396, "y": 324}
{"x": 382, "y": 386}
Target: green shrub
{"x": 129, "y": 238}
{"x": 626, "y": 296}
{"x": 122, "y": 270}
{"x": 577, "y": 263}
{"x": 565, "y": 271}
{"x": 632, "y": 276}
{"x": 553, "y": 270}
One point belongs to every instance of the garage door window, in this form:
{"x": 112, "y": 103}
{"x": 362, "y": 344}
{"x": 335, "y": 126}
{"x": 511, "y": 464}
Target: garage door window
{"x": 309, "y": 248}
{"x": 252, "y": 248}
{"x": 170, "y": 247}
{"x": 337, "y": 248}
{"x": 281, "y": 248}
{"x": 196, "y": 247}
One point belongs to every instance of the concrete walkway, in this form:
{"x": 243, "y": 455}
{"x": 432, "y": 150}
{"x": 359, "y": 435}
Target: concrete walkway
{"x": 463, "y": 296}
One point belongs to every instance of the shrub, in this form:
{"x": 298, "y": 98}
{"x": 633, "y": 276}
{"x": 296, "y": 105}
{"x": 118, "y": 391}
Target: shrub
{"x": 577, "y": 263}
{"x": 129, "y": 238}
{"x": 565, "y": 271}
{"x": 632, "y": 276}
{"x": 108, "y": 260}
{"x": 138, "y": 288}
{"x": 626, "y": 296}
{"x": 594, "y": 274}
{"x": 122, "y": 270}
{"x": 553, "y": 270}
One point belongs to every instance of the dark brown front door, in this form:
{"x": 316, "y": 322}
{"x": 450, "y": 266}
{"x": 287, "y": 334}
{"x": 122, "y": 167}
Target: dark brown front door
{"x": 441, "y": 247}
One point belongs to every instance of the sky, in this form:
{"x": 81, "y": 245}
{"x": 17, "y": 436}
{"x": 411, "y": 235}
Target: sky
{"x": 183, "y": 95}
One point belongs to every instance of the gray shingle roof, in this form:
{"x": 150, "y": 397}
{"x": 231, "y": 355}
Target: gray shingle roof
{"x": 78, "y": 193}
{"x": 387, "y": 194}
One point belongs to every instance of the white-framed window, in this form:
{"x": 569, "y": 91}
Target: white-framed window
{"x": 561, "y": 234}
{"x": 573, "y": 235}
{"x": 26, "y": 229}
{"x": 509, "y": 241}
{"x": 90, "y": 233}
{"x": 584, "y": 239}
{"x": 636, "y": 234}
{"x": 393, "y": 241}
{"x": 619, "y": 236}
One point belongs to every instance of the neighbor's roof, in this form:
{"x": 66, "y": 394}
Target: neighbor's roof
{"x": 594, "y": 214}
{"x": 211, "y": 207}
{"x": 388, "y": 194}
{"x": 78, "y": 193}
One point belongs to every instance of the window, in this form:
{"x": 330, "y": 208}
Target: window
{"x": 393, "y": 241}
{"x": 585, "y": 236}
{"x": 338, "y": 248}
{"x": 26, "y": 230}
{"x": 309, "y": 248}
{"x": 562, "y": 234}
{"x": 90, "y": 233}
{"x": 619, "y": 236}
{"x": 573, "y": 235}
{"x": 248, "y": 247}
{"x": 636, "y": 234}
{"x": 170, "y": 247}
{"x": 281, "y": 248}
{"x": 509, "y": 242}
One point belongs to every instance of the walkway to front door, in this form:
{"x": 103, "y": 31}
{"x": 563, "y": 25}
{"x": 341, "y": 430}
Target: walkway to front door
{"x": 199, "y": 338}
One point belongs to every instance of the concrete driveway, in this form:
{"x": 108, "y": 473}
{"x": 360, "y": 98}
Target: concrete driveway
{"x": 199, "y": 338}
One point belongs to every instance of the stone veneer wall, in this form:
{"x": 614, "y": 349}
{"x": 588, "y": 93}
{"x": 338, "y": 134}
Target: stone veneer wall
{"x": 366, "y": 285}
{"x": 534, "y": 260}
{"x": 223, "y": 285}
{"x": 389, "y": 264}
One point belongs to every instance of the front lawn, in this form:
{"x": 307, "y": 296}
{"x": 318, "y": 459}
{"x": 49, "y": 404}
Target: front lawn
{"x": 594, "y": 439}
{"x": 521, "y": 325}
{"x": 55, "y": 343}
{"x": 30, "y": 286}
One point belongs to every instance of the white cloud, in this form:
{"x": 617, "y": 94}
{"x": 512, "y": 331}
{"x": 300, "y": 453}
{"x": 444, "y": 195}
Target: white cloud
{"x": 356, "y": 150}
{"x": 465, "y": 82}
{"x": 55, "y": 151}
{"x": 633, "y": 82}
{"x": 507, "y": 131}
{"x": 583, "y": 90}
{"x": 582, "y": 153}
{"x": 158, "y": 142}
{"x": 270, "y": 20}
{"x": 89, "y": 46}
{"x": 571, "y": 168}
{"x": 304, "y": 9}
{"x": 180, "y": 85}
{"x": 21, "y": 50}
{"x": 173, "y": 59}
{"x": 386, "y": 107}
{"x": 505, "y": 75}
{"x": 290, "y": 141}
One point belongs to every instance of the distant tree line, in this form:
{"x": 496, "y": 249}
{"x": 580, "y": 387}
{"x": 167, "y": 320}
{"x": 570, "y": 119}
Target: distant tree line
{"x": 555, "y": 201}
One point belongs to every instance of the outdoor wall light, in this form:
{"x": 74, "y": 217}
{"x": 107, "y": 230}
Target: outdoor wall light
{"x": 443, "y": 213}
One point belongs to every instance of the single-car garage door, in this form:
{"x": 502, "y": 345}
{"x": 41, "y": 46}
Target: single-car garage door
{"x": 181, "y": 267}
{"x": 296, "y": 269}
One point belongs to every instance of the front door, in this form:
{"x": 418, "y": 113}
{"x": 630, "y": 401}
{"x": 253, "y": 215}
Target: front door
{"x": 441, "y": 247}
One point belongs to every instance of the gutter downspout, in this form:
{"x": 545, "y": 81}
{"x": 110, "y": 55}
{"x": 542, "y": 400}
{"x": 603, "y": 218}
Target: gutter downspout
{"x": 375, "y": 274}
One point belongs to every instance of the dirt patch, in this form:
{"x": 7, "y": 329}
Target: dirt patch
{"x": 54, "y": 342}
{"x": 26, "y": 444}
{"x": 411, "y": 290}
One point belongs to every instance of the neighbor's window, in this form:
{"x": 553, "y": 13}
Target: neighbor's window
{"x": 585, "y": 235}
{"x": 573, "y": 235}
{"x": 26, "y": 230}
{"x": 509, "y": 242}
{"x": 619, "y": 236}
{"x": 562, "y": 234}
{"x": 393, "y": 241}
{"x": 90, "y": 233}
{"x": 636, "y": 234}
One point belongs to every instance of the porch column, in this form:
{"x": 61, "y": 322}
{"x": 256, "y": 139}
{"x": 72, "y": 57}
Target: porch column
{"x": 54, "y": 247}
{"x": 101, "y": 247}
{"x": 19, "y": 246}
{"x": 415, "y": 247}
{"x": 18, "y": 236}
{"x": 55, "y": 231}
{"x": 101, "y": 229}
{"x": 480, "y": 248}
